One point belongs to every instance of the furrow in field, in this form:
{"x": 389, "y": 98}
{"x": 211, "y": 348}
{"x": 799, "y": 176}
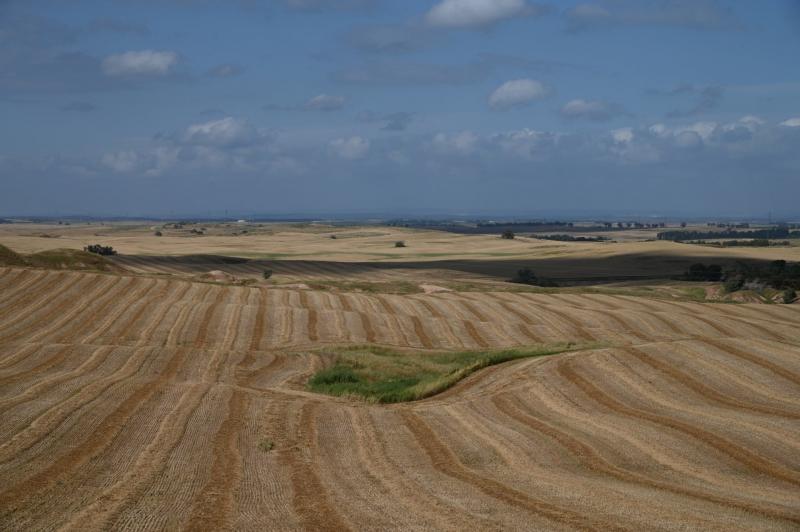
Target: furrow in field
{"x": 474, "y": 334}
{"x": 311, "y": 331}
{"x": 258, "y": 325}
{"x": 158, "y": 317}
{"x": 93, "y": 330}
{"x": 310, "y": 500}
{"x": 409, "y": 496}
{"x": 62, "y": 310}
{"x": 100, "y": 438}
{"x": 444, "y": 461}
{"x": 592, "y": 460}
{"x": 419, "y": 330}
{"x": 101, "y": 513}
{"x": 94, "y": 304}
{"x": 215, "y": 504}
{"x": 35, "y": 304}
{"x": 704, "y": 390}
{"x": 19, "y": 353}
{"x": 92, "y": 362}
{"x": 33, "y": 285}
{"x": 201, "y": 338}
{"x": 20, "y": 283}
{"x": 31, "y": 373}
{"x": 755, "y": 359}
{"x": 742, "y": 455}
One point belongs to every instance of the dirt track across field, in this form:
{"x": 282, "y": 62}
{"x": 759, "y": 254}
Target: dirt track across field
{"x": 147, "y": 403}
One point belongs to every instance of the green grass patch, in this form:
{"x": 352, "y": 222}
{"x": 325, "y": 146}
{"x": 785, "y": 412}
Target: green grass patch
{"x": 383, "y": 375}
{"x": 694, "y": 293}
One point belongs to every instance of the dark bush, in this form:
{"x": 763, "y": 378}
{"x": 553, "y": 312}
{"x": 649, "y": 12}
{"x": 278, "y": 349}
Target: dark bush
{"x": 266, "y": 274}
{"x": 508, "y": 234}
{"x": 733, "y": 284}
{"x": 100, "y": 250}
{"x": 400, "y": 244}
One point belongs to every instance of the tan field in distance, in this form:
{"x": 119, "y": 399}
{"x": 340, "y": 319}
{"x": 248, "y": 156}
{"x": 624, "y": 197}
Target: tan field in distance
{"x": 171, "y": 389}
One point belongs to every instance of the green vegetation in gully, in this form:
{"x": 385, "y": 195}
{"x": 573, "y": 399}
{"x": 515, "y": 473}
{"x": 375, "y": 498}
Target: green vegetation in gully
{"x": 383, "y": 375}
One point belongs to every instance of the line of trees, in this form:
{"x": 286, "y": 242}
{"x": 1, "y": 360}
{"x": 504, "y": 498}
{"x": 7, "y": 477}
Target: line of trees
{"x": 755, "y": 243}
{"x": 570, "y": 238}
{"x": 772, "y": 233}
{"x": 778, "y": 274}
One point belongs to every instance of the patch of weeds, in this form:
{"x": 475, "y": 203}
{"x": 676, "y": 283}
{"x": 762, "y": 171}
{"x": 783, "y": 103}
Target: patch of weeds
{"x": 383, "y": 375}
{"x": 266, "y": 445}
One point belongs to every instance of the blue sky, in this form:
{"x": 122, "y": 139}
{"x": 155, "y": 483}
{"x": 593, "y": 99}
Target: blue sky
{"x": 146, "y": 107}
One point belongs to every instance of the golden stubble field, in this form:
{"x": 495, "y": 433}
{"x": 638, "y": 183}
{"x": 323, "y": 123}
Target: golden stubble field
{"x": 143, "y": 399}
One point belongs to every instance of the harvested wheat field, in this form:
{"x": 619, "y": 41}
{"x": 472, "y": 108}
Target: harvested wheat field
{"x": 141, "y": 398}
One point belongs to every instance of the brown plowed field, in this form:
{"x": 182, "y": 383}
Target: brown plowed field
{"x": 144, "y": 402}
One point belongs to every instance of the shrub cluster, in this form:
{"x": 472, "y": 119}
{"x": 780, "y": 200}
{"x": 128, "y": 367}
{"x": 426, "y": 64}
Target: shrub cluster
{"x": 100, "y": 250}
{"x": 778, "y": 274}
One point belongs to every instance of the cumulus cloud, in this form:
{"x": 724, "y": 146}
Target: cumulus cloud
{"x": 140, "y": 63}
{"x": 225, "y": 132}
{"x": 123, "y": 161}
{"x": 461, "y": 143}
{"x": 478, "y": 13}
{"x": 516, "y": 93}
{"x": 596, "y": 110}
{"x": 696, "y": 14}
{"x": 324, "y": 102}
{"x": 538, "y": 165}
{"x": 791, "y": 122}
{"x": 351, "y": 148}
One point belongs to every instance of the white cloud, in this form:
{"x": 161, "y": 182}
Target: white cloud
{"x": 590, "y": 110}
{"x": 622, "y": 135}
{"x": 350, "y": 148}
{"x": 141, "y": 63}
{"x": 703, "y": 129}
{"x": 226, "y": 131}
{"x": 516, "y": 93}
{"x": 525, "y": 143}
{"x": 792, "y": 122}
{"x": 324, "y": 102}
{"x": 461, "y": 143}
{"x": 473, "y": 13}
{"x": 122, "y": 161}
